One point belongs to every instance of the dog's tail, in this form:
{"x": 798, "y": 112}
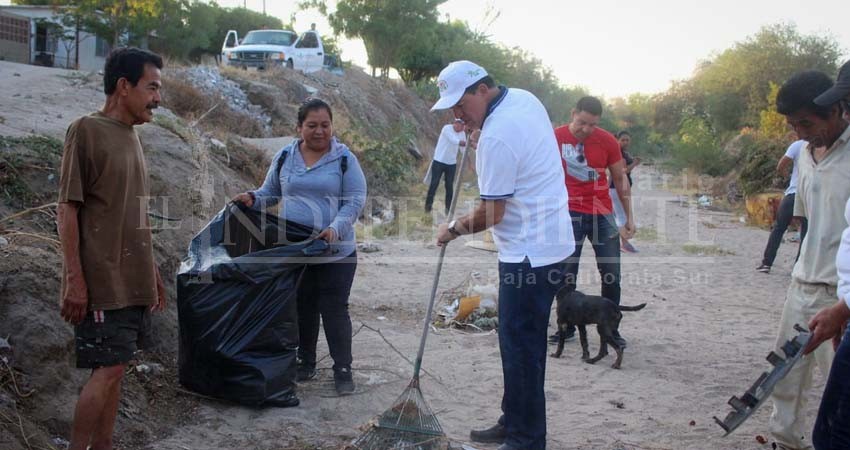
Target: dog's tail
{"x": 632, "y": 308}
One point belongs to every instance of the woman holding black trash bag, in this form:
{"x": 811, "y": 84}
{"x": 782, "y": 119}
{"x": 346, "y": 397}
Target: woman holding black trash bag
{"x": 322, "y": 186}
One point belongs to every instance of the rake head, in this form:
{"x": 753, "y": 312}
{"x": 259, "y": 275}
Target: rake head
{"x": 409, "y": 424}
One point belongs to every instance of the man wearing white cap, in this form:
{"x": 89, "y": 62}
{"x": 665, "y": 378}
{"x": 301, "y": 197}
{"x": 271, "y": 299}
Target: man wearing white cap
{"x": 524, "y": 199}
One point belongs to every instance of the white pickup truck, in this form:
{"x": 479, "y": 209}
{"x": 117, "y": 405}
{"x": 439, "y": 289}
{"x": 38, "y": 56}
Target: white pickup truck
{"x": 268, "y": 48}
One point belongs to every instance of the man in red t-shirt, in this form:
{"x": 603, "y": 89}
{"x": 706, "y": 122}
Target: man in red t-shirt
{"x": 586, "y": 152}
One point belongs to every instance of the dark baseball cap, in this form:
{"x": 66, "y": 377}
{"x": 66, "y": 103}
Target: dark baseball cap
{"x": 839, "y": 90}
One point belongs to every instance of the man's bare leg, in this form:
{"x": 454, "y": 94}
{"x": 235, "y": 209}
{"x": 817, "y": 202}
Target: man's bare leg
{"x": 96, "y": 409}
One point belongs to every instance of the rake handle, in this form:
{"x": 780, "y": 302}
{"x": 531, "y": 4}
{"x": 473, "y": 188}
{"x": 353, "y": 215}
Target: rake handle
{"x": 418, "y": 364}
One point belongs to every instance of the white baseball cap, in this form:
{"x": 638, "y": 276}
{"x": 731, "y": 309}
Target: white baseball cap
{"x": 454, "y": 80}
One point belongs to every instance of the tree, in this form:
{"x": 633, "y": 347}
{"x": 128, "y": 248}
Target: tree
{"x": 383, "y": 25}
{"x": 186, "y": 29}
{"x": 734, "y": 86}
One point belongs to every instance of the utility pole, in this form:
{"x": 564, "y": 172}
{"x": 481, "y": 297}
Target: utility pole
{"x": 264, "y": 7}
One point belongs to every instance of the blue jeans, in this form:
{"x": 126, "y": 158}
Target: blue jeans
{"x": 605, "y": 239}
{"x": 525, "y": 300}
{"x": 832, "y": 428}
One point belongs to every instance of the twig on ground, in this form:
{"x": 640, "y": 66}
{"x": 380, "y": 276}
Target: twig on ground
{"x": 204, "y": 115}
{"x": 34, "y": 236}
{"x": 28, "y": 211}
{"x": 14, "y": 382}
{"x": 195, "y": 394}
{"x": 399, "y": 353}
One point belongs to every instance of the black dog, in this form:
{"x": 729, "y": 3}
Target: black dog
{"x": 575, "y": 308}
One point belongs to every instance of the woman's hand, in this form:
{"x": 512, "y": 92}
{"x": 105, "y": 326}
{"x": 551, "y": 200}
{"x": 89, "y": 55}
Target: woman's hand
{"x": 244, "y": 198}
{"x": 329, "y": 235}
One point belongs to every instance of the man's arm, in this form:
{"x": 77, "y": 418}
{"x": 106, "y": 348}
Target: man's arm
{"x": 635, "y": 162}
{"x": 487, "y": 214}
{"x": 828, "y": 323}
{"x": 160, "y": 291}
{"x": 624, "y": 191}
{"x": 784, "y": 165}
{"x": 75, "y": 298}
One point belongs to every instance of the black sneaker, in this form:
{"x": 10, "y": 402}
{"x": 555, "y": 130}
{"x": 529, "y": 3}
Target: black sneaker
{"x": 305, "y": 372}
{"x": 493, "y": 435}
{"x": 287, "y": 401}
{"x": 571, "y": 334}
{"x": 343, "y": 381}
{"x": 764, "y": 268}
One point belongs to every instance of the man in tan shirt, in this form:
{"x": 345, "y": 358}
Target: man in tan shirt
{"x": 110, "y": 280}
{"x": 822, "y": 190}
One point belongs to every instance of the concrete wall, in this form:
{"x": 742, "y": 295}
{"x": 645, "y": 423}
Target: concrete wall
{"x": 14, "y": 38}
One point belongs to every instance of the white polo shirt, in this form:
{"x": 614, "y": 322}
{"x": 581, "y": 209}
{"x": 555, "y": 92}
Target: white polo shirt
{"x": 518, "y": 160}
{"x": 448, "y": 145}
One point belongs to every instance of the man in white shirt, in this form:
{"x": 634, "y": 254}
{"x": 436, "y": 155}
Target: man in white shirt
{"x": 822, "y": 190}
{"x": 832, "y": 428}
{"x": 524, "y": 199}
{"x": 786, "y": 207}
{"x": 452, "y": 138}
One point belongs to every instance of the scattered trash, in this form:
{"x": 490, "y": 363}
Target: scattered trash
{"x": 473, "y": 304}
{"x": 382, "y": 318}
{"x": 761, "y": 439}
{"x": 487, "y": 323}
{"x": 16, "y": 74}
{"x": 692, "y": 423}
{"x": 150, "y": 369}
{"x": 5, "y": 347}
{"x": 61, "y": 442}
{"x": 368, "y": 247}
{"x": 704, "y": 201}
{"x": 451, "y": 310}
{"x": 466, "y": 306}
{"x": 3, "y": 242}
{"x": 218, "y": 144}
{"x": 795, "y": 237}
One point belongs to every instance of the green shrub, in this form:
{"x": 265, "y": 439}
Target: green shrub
{"x": 759, "y": 157}
{"x": 389, "y": 168}
{"x": 698, "y": 148}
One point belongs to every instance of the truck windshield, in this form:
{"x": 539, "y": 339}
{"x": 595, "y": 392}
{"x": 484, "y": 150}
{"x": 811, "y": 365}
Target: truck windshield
{"x": 285, "y": 38}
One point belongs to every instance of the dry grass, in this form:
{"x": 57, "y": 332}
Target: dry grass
{"x": 189, "y": 102}
{"x": 706, "y": 250}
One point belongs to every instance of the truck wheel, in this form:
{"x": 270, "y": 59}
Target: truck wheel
{"x": 289, "y": 64}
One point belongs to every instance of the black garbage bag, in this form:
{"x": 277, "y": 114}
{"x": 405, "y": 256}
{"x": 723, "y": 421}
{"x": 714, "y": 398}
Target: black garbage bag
{"x": 236, "y": 306}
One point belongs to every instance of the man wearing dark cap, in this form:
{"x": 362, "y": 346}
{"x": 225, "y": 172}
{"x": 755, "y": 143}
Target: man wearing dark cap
{"x": 832, "y": 428}
{"x": 822, "y": 191}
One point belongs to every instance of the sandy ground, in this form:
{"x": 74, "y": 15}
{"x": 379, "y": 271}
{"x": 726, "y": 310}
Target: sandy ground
{"x": 709, "y": 323}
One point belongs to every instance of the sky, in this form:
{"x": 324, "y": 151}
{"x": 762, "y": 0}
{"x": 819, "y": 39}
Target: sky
{"x": 616, "y": 47}
{"x": 613, "y": 47}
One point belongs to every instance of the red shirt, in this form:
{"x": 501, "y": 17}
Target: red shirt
{"x": 601, "y": 150}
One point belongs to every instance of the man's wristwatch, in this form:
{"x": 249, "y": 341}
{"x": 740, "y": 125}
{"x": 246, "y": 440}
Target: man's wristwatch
{"x": 452, "y": 228}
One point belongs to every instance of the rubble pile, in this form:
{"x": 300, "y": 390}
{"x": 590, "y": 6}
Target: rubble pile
{"x": 209, "y": 79}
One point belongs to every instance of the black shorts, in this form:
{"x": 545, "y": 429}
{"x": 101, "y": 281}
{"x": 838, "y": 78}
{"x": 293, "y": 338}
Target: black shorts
{"x": 110, "y": 338}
